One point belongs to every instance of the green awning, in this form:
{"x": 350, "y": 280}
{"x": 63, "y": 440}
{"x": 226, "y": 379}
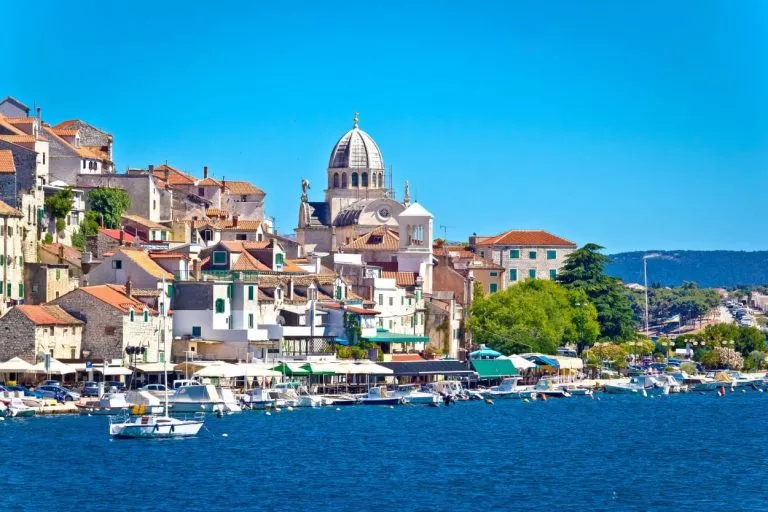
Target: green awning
{"x": 493, "y": 368}
{"x": 318, "y": 370}
{"x": 384, "y": 336}
{"x": 291, "y": 369}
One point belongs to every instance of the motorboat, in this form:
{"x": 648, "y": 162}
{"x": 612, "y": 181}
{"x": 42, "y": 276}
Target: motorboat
{"x": 575, "y": 390}
{"x": 16, "y": 408}
{"x": 412, "y": 395}
{"x": 342, "y": 399}
{"x": 738, "y": 380}
{"x": 508, "y": 388}
{"x": 546, "y": 388}
{"x": 305, "y": 399}
{"x": 151, "y": 426}
{"x": 257, "y": 398}
{"x": 196, "y": 398}
{"x": 378, "y": 395}
{"x": 231, "y": 403}
{"x": 641, "y": 384}
{"x": 109, "y": 404}
{"x": 697, "y": 383}
{"x": 295, "y": 395}
{"x": 448, "y": 388}
{"x": 669, "y": 384}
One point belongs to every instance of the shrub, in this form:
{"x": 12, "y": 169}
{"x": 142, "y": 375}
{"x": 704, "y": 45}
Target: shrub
{"x": 48, "y": 239}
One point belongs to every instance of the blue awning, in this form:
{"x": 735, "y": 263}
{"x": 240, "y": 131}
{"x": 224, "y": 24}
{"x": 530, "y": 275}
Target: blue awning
{"x": 341, "y": 341}
{"x": 542, "y": 360}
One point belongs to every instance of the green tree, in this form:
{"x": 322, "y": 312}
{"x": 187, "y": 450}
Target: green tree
{"x": 532, "y": 316}
{"x": 584, "y": 269}
{"x": 584, "y": 329}
{"x": 59, "y": 205}
{"x": 89, "y": 226}
{"x": 109, "y": 204}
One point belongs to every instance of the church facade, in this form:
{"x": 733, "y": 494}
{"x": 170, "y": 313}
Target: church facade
{"x": 357, "y": 199}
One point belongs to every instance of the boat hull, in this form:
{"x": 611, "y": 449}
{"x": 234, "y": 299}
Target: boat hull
{"x": 382, "y": 401}
{"x": 137, "y": 430}
{"x": 192, "y": 407}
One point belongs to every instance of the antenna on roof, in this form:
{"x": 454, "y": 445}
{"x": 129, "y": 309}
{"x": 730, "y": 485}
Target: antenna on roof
{"x": 445, "y": 231}
{"x": 391, "y": 190}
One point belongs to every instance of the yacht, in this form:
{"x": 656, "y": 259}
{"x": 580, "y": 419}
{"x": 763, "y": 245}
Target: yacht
{"x": 378, "y": 395}
{"x": 509, "y": 389}
{"x": 575, "y": 390}
{"x": 669, "y": 384}
{"x": 697, "y": 383}
{"x": 150, "y": 426}
{"x": 642, "y": 384}
{"x": 196, "y": 398}
{"x": 412, "y": 395}
{"x": 546, "y": 388}
{"x": 15, "y": 408}
{"x": 257, "y": 398}
{"x": 738, "y": 380}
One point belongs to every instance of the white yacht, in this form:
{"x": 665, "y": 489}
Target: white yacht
{"x": 378, "y": 395}
{"x": 509, "y": 389}
{"x": 640, "y": 384}
{"x": 149, "y": 426}
{"x": 412, "y": 395}
{"x": 196, "y": 398}
{"x": 257, "y": 398}
{"x": 547, "y": 388}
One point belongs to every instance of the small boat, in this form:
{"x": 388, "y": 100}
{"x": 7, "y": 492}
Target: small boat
{"x": 412, "y": 395}
{"x": 257, "y": 398}
{"x": 640, "y": 384}
{"x": 669, "y": 384}
{"x": 738, "y": 380}
{"x": 150, "y": 426}
{"x": 378, "y": 395}
{"x": 196, "y": 398}
{"x": 342, "y": 399}
{"x": 110, "y": 404}
{"x": 16, "y": 408}
{"x": 448, "y": 388}
{"x": 509, "y": 389}
{"x": 231, "y": 404}
{"x": 547, "y": 388}
{"x": 578, "y": 390}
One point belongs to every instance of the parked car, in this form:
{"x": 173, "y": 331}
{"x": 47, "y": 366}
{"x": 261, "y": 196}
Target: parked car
{"x": 60, "y": 393}
{"x": 90, "y": 388}
{"x": 50, "y": 383}
{"x": 183, "y": 382}
{"x": 114, "y": 385}
{"x": 154, "y": 387}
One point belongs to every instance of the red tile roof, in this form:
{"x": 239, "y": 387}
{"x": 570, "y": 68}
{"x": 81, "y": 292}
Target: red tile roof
{"x": 71, "y": 254}
{"x": 65, "y": 132}
{"x": 208, "y": 182}
{"x": 360, "y": 311}
{"x": 115, "y": 234}
{"x": 8, "y": 211}
{"x": 6, "y": 161}
{"x": 175, "y": 176}
{"x": 402, "y": 358}
{"x": 530, "y": 238}
{"x": 147, "y": 264}
{"x": 380, "y": 239}
{"x": 242, "y": 188}
{"x": 141, "y": 221}
{"x": 247, "y": 262}
{"x": 242, "y": 225}
{"x": 48, "y": 315}
{"x": 401, "y": 278}
{"x": 168, "y": 256}
{"x": 114, "y": 295}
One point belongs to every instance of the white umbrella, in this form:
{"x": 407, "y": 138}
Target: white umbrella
{"x": 220, "y": 370}
{"x": 520, "y": 363}
{"x": 55, "y": 368}
{"x": 257, "y": 370}
{"x": 15, "y": 365}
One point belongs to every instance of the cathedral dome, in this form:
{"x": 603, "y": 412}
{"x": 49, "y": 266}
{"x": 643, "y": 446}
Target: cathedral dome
{"x": 356, "y": 150}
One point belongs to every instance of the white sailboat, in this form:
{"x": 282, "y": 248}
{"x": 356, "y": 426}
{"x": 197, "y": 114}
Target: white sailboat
{"x": 149, "y": 426}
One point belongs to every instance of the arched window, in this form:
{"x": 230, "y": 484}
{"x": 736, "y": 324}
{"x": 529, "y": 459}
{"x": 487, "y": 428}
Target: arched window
{"x": 219, "y": 305}
{"x": 381, "y": 180}
{"x": 335, "y": 180}
{"x": 354, "y": 179}
{"x": 344, "y": 180}
{"x": 365, "y": 179}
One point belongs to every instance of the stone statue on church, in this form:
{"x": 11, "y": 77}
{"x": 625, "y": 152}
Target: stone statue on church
{"x": 407, "y": 196}
{"x": 304, "y": 189}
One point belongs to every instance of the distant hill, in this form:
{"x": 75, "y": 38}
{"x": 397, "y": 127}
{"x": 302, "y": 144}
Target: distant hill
{"x": 710, "y": 269}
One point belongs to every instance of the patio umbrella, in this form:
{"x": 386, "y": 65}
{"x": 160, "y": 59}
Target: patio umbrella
{"x": 16, "y": 365}
{"x": 484, "y": 353}
{"x": 221, "y": 370}
{"x": 55, "y": 368}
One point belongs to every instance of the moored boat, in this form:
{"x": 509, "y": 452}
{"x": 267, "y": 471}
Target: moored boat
{"x": 547, "y": 388}
{"x": 16, "y": 408}
{"x": 150, "y": 426}
{"x": 412, "y": 395}
{"x": 196, "y": 398}
{"x": 639, "y": 384}
{"x": 378, "y": 395}
{"x": 509, "y": 389}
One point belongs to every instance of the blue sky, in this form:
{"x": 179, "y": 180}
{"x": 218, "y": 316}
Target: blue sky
{"x": 637, "y": 125}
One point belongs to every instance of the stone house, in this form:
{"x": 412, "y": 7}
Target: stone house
{"x": 145, "y": 230}
{"x": 29, "y": 332}
{"x": 11, "y": 256}
{"x": 150, "y": 198}
{"x": 73, "y": 219}
{"x": 107, "y": 241}
{"x": 62, "y": 254}
{"x": 116, "y": 319}
{"x": 524, "y": 254}
{"x": 129, "y": 264}
{"x": 44, "y": 282}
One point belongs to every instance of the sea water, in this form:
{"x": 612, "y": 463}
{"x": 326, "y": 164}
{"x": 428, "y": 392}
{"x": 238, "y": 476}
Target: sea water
{"x": 677, "y": 452}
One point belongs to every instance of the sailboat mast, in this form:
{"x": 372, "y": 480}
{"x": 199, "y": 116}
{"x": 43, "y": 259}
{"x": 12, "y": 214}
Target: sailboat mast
{"x": 165, "y": 341}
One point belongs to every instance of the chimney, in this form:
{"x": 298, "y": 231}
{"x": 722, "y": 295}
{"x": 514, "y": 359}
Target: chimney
{"x": 196, "y": 270}
{"x": 38, "y": 114}
{"x": 61, "y": 254}
{"x": 234, "y": 220}
{"x": 122, "y": 237}
{"x": 290, "y": 288}
{"x": 129, "y": 288}
{"x": 205, "y": 171}
{"x": 165, "y": 175}
{"x": 223, "y": 185}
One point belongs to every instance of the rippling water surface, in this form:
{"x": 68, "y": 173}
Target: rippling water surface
{"x": 684, "y": 452}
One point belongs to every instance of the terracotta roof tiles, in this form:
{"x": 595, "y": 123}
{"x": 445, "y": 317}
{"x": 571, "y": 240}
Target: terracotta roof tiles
{"x": 175, "y": 176}
{"x": 115, "y": 234}
{"x": 7, "y": 166}
{"x": 48, "y": 315}
{"x": 401, "y": 278}
{"x": 8, "y": 211}
{"x": 380, "y": 239}
{"x": 71, "y": 255}
{"x": 242, "y": 188}
{"x": 532, "y": 238}
{"x": 141, "y": 258}
{"x": 114, "y": 295}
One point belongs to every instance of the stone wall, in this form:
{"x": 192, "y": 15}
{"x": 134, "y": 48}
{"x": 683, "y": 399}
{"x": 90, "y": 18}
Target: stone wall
{"x": 44, "y": 283}
{"x": 17, "y": 337}
{"x": 524, "y": 264}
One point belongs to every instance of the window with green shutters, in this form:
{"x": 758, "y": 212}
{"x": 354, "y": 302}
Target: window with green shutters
{"x": 196, "y": 331}
{"x": 250, "y": 293}
{"x": 532, "y": 273}
{"x": 250, "y": 320}
{"x": 229, "y": 291}
{"x": 338, "y": 293}
{"x": 532, "y": 255}
{"x": 146, "y": 315}
{"x": 493, "y": 288}
{"x": 279, "y": 259}
{"x": 21, "y": 290}
{"x": 58, "y": 274}
{"x": 161, "y": 356}
{"x": 163, "y": 236}
{"x": 513, "y": 274}
{"x": 219, "y": 257}
{"x": 220, "y": 305}
{"x": 2, "y": 259}
{"x": 169, "y": 290}
{"x": 551, "y": 255}
{"x": 514, "y": 254}
{"x": 131, "y": 315}
{"x": 553, "y": 274}
{"x": 494, "y": 274}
